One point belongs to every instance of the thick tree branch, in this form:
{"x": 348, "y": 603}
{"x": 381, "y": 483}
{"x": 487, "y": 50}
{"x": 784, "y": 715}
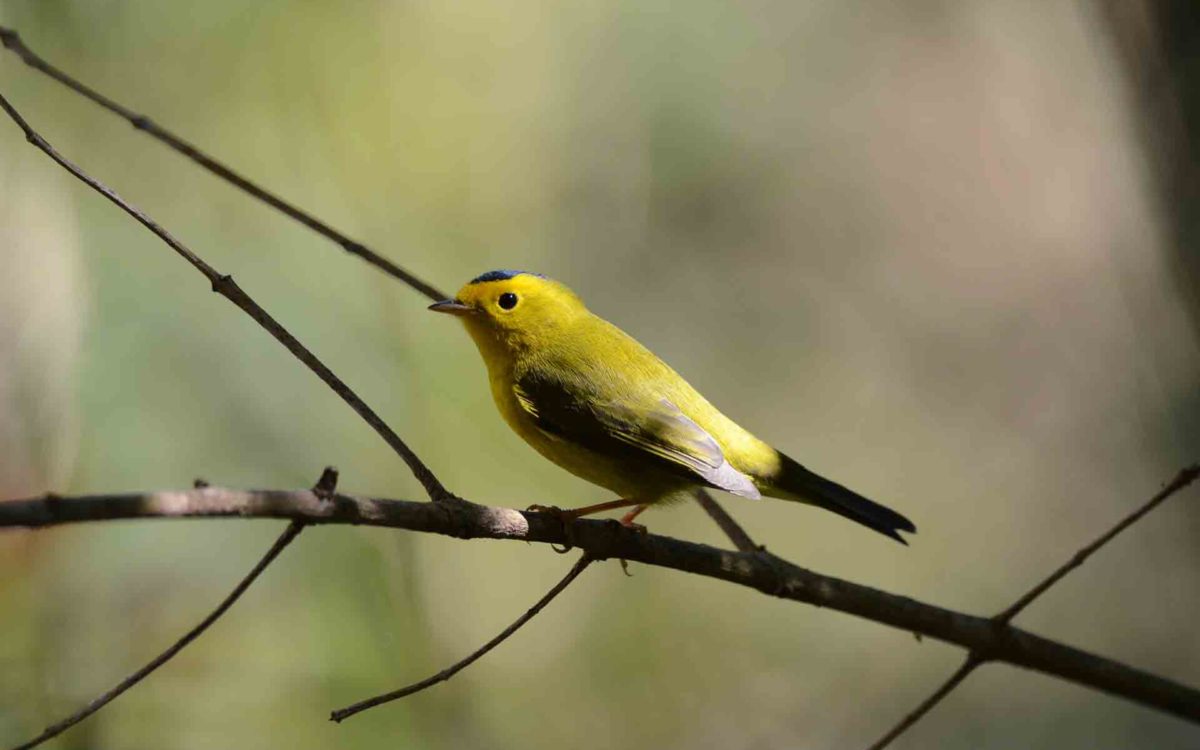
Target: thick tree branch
{"x": 224, "y": 285}
{"x": 1181, "y": 480}
{"x": 13, "y": 42}
{"x": 984, "y": 637}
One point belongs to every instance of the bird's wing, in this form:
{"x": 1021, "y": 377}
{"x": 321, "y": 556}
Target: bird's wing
{"x": 656, "y": 430}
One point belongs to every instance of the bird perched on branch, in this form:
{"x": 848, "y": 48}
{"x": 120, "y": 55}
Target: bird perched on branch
{"x": 593, "y": 400}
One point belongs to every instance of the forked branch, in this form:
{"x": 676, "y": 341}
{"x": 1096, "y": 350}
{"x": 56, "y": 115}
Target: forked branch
{"x": 224, "y": 285}
{"x": 1181, "y": 480}
{"x": 732, "y": 529}
{"x": 602, "y": 540}
{"x": 325, "y": 487}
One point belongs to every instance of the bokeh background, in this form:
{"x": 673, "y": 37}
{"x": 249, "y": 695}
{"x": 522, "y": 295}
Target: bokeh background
{"x": 927, "y": 248}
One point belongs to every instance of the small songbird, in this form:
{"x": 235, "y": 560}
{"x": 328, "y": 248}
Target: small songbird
{"x": 593, "y": 400}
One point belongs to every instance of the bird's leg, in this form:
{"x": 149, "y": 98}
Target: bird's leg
{"x": 572, "y": 513}
{"x": 627, "y": 519}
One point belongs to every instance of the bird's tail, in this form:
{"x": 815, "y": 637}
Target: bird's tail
{"x": 794, "y": 482}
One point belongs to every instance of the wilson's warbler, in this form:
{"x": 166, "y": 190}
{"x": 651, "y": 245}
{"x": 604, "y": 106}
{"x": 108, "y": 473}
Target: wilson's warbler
{"x": 593, "y": 400}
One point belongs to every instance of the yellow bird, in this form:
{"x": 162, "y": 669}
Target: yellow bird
{"x": 593, "y": 400}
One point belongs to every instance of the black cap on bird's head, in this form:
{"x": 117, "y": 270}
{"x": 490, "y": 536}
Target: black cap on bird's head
{"x": 502, "y": 274}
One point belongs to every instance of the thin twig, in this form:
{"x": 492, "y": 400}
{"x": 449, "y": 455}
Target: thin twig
{"x": 228, "y": 288}
{"x": 732, "y": 529}
{"x": 345, "y": 713}
{"x": 934, "y": 698}
{"x": 1181, "y": 480}
{"x": 11, "y": 41}
{"x": 290, "y": 533}
{"x": 603, "y": 540}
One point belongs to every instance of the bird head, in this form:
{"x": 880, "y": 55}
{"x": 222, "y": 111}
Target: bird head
{"x": 512, "y": 309}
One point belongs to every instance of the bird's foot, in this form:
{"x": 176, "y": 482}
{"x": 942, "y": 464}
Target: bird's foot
{"x": 565, "y": 517}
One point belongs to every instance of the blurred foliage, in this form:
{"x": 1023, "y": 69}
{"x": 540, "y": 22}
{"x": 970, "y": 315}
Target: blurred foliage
{"x": 911, "y": 244}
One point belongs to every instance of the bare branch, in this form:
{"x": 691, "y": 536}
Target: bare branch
{"x": 325, "y": 487}
{"x": 11, "y": 41}
{"x": 732, "y": 529}
{"x": 1181, "y": 480}
{"x": 228, "y": 288}
{"x": 345, "y": 713}
{"x": 290, "y": 533}
{"x": 934, "y": 698}
{"x": 603, "y": 540}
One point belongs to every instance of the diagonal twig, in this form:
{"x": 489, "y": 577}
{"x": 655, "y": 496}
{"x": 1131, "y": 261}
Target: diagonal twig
{"x": 1181, "y": 480}
{"x": 290, "y": 533}
{"x": 345, "y": 713}
{"x": 12, "y": 41}
{"x": 974, "y": 659}
{"x": 326, "y": 486}
{"x": 732, "y": 529}
{"x": 224, "y": 285}
{"x": 968, "y": 666}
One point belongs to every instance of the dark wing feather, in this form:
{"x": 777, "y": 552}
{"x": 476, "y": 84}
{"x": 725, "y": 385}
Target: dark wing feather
{"x": 658, "y": 432}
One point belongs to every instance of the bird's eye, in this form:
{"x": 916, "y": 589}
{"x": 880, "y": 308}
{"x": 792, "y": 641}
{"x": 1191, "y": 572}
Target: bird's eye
{"x": 507, "y": 301}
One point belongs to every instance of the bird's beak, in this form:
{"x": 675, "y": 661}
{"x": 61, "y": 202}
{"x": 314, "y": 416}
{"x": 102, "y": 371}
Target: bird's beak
{"x": 452, "y": 306}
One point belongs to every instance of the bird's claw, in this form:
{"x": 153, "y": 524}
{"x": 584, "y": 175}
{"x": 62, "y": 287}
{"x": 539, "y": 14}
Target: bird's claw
{"x": 565, "y": 518}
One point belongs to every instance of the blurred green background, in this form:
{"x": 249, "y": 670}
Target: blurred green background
{"x": 915, "y": 245}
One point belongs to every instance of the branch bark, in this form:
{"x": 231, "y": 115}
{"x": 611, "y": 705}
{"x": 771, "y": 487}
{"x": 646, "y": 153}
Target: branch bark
{"x": 1181, "y": 480}
{"x": 759, "y": 570}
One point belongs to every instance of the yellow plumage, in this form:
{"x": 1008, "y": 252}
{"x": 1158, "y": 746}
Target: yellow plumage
{"x": 590, "y": 398}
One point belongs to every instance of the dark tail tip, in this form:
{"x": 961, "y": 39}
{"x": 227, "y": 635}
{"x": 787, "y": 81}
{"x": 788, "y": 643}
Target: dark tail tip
{"x": 872, "y": 515}
{"x": 845, "y": 502}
